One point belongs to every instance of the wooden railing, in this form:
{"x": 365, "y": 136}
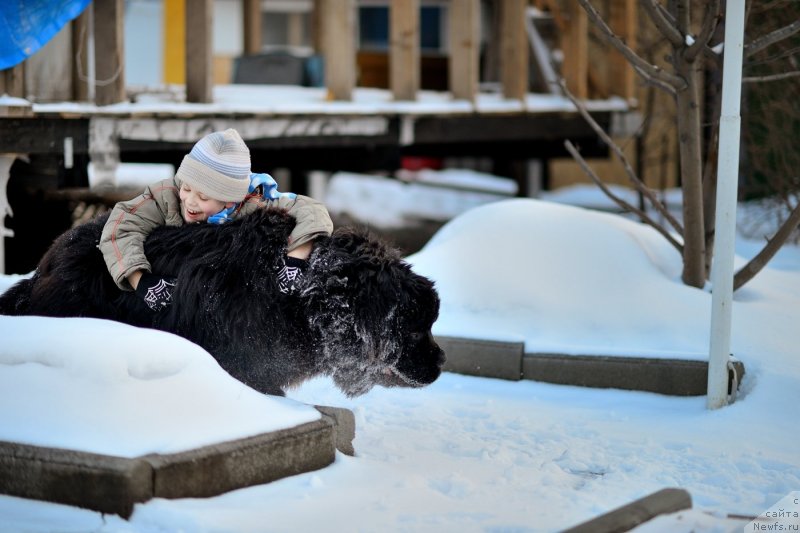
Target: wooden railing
{"x": 334, "y": 36}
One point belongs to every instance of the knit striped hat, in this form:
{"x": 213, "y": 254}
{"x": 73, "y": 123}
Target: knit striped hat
{"x": 218, "y": 166}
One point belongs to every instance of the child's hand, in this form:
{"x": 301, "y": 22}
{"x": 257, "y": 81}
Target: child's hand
{"x": 156, "y": 291}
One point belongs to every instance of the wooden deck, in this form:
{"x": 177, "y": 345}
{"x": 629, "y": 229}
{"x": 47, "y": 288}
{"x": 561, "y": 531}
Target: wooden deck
{"x": 297, "y": 128}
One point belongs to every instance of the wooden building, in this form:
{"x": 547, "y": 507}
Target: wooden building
{"x": 385, "y": 80}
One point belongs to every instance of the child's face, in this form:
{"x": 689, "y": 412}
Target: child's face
{"x": 197, "y": 207}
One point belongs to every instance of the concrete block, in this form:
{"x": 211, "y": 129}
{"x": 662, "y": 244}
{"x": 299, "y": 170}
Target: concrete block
{"x": 212, "y": 470}
{"x": 665, "y": 376}
{"x": 115, "y": 484}
{"x": 99, "y": 482}
{"x": 344, "y": 427}
{"x": 491, "y": 359}
{"x": 634, "y": 514}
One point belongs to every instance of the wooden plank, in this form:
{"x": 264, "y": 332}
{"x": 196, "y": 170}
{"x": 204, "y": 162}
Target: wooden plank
{"x": 80, "y": 54}
{"x": 623, "y": 19}
{"x": 174, "y": 35}
{"x": 252, "y": 26}
{"x": 294, "y": 30}
{"x": 575, "y": 45}
{"x": 404, "y": 49}
{"x": 464, "y": 48}
{"x": 109, "y": 51}
{"x": 514, "y": 49}
{"x": 636, "y": 513}
{"x": 337, "y": 28}
{"x": 199, "y": 82}
{"x": 316, "y": 26}
{"x": 12, "y": 81}
{"x": 43, "y": 135}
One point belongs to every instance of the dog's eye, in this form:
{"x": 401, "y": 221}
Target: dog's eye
{"x": 417, "y": 336}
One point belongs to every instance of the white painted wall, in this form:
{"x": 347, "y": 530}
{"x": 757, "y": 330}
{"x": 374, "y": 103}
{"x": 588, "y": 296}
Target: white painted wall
{"x": 144, "y": 37}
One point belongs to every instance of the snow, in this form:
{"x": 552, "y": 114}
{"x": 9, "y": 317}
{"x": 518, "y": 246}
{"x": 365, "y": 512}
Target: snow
{"x": 467, "y": 453}
{"x": 424, "y": 195}
{"x": 290, "y": 100}
{"x": 160, "y": 393}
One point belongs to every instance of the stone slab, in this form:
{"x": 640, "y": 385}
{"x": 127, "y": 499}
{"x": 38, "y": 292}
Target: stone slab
{"x": 636, "y": 513}
{"x": 115, "y": 484}
{"x": 100, "y": 482}
{"x": 475, "y": 357}
{"x": 216, "y": 469}
{"x": 344, "y": 427}
{"x": 507, "y": 360}
{"x": 673, "y": 377}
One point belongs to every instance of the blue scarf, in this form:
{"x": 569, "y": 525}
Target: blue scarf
{"x": 269, "y": 191}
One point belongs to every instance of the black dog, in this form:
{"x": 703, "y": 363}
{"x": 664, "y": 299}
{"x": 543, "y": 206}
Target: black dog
{"x": 361, "y": 316}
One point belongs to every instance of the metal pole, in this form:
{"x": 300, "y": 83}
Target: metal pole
{"x": 725, "y": 222}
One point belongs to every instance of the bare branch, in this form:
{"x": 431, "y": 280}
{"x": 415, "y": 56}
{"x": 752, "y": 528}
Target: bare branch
{"x": 644, "y": 68}
{"x": 771, "y": 38}
{"x": 772, "y": 77}
{"x": 619, "y": 201}
{"x": 663, "y": 21}
{"x": 774, "y": 244}
{"x": 632, "y": 177}
{"x": 713, "y": 57}
{"x": 710, "y": 22}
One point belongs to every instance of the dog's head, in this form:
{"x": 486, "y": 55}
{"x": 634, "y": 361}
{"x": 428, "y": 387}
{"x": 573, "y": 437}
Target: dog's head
{"x": 374, "y": 314}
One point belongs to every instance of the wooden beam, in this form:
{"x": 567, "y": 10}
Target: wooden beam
{"x": 199, "y": 81}
{"x": 81, "y": 28}
{"x": 174, "y": 34}
{"x": 623, "y": 22}
{"x": 514, "y": 49}
{"x": 337, "y": 33}
{"x": 12, "y": 81}
{"x": 252, "y": 26}
{"x": 404, "y": 49}
{"x": 109, "y": 54}
{"x": 575, "y": 45}
{"x": 464, "y": 47}
{"x": 294, "y": 29}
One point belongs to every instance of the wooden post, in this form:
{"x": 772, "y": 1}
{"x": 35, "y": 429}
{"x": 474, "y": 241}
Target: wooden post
{"x": 12, "y": 81}
{"x": 337, "y": 34}
{"x": 404, "y": 49}
{"x": 252, "y": 26}
{"x": 464, "y": 44}
{"x": 199, "y": 81}
{"x": 316, "y": 26}
{"x": 6, "y": 160}
{"x": 514, "y": 49}
{"x": 622, "y": 78}
{"x": 109, "y": 52}
{"x": 575, "y": 44}
{"x": 80, "y": 56}
{"x": 174, "y": 34}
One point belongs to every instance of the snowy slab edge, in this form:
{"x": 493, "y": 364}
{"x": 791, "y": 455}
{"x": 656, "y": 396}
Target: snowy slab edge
{"x": 508, "y": 360}
{"x": 115, "y": 484}
{"x": 627, "y": 517}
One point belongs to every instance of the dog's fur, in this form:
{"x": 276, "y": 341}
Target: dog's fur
{"x": 361, "y": 316}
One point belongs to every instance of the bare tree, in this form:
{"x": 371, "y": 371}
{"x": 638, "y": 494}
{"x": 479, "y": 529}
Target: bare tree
{"x": 691, "y": 54}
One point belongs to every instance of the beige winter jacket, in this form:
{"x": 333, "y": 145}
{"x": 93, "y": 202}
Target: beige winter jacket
{"x": 130, "y": 222}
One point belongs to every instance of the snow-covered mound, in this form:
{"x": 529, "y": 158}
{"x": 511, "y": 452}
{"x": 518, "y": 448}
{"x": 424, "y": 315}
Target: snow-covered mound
{"x": 105, "y": 387}
{"x": 569, "y": 280}
{"x": 425, "y": 195}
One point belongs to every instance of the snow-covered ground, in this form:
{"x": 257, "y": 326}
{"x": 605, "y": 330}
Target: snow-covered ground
{"x": 475, "y": 454}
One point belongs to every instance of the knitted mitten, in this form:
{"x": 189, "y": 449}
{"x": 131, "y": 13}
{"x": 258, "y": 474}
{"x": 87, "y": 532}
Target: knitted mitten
{"x": 290, "y": 276}
{"x": 156, "y": 291}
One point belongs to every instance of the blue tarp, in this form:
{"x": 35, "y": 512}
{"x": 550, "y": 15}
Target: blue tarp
{"x": 27, "y": 25}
